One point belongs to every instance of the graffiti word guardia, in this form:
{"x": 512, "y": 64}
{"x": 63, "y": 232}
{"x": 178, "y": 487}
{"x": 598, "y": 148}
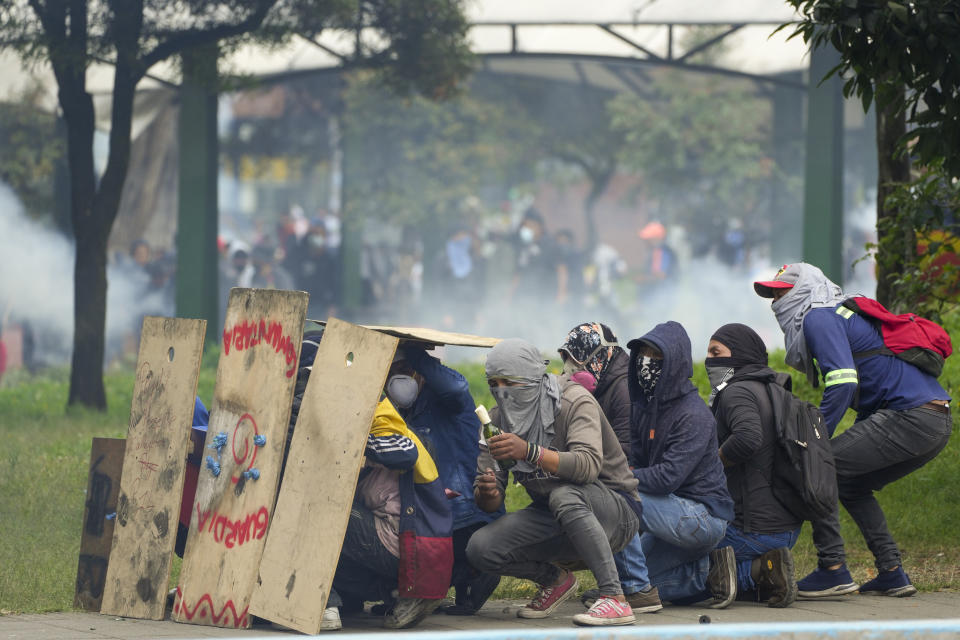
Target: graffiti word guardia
{"x": 250, "y": 334}
{"x": 233, "y": 532}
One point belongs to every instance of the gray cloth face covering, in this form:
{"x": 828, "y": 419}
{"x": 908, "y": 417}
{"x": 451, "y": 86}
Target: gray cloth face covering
{"x": 812, "y": 290}
{"x": 718, "y": 377}
{"x": 529, "y": 408}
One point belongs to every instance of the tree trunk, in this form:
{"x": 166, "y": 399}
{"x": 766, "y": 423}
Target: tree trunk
{"x": 90, "y": 280}
{"x": 896, "y": 237}
{"x": 89, "y": 318}
{"x": 598, "y": 184}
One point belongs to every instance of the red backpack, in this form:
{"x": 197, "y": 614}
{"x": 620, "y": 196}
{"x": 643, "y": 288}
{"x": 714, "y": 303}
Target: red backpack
{"x": 907, "y": 336}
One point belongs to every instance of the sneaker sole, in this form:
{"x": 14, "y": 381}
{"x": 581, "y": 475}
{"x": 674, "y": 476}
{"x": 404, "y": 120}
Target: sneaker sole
{"x": 653, "y": 608}
{"x": 897, "y": 592}
{"x": 731, "y": 568}
{"x": 584, "y": 620}
{"x": 389, "y": 623}
{"x": 533, "y": 614}
{"x": 839, "y": 590}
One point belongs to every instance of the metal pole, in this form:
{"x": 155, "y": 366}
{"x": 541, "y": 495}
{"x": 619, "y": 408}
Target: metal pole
{"x": 197, "y": 281}
{"x": 823, "y": 188}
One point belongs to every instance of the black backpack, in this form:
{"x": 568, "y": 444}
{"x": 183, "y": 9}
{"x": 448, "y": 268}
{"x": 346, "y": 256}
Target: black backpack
{"x": 804, "y": 477}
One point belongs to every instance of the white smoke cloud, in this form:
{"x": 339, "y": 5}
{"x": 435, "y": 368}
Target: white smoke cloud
{"x": 36, "y": 286}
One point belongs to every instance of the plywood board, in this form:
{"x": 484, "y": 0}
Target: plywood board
{"x": 232, "y": 510}
{"x": 303, "y": 545}
{"x": 99, "y": 516}
{"x": 153, "y": 466}
{"x": 432, "y": 336}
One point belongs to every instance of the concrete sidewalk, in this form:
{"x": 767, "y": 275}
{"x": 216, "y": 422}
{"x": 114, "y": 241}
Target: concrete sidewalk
{"x": 806, "y": 618}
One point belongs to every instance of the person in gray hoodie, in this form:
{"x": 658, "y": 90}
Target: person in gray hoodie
{"x": 584, "y": 502}
{"x": 674, "y": 456}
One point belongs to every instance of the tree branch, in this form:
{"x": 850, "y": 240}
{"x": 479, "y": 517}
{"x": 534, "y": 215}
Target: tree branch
{"x": 198, "y": 37}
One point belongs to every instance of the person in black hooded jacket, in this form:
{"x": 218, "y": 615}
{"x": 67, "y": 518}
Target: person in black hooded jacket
{"x": 762, "y": 531}
{"x": 686, "y": 505}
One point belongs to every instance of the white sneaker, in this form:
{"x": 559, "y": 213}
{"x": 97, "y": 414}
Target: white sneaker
{"x": 331, "y": 619}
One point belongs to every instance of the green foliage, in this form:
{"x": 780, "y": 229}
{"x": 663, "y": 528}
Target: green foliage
{"x": 29, "y": 150}
{"x": 413, "y": 160}
{"x": 885, "y": 46}
{"x": 700, "y": 148}
{"x": 926, "y": 281}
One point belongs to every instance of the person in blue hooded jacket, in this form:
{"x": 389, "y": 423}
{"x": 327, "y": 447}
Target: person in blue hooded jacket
{"x": 435, "y": 402}
{"x": 686, "y": 504}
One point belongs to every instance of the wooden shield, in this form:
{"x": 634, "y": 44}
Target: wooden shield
{"x": 99, "y": 516}
{"x": 153, "y": 466}
{"x": 243, "y": 452}
{"x": 296, "y": 572}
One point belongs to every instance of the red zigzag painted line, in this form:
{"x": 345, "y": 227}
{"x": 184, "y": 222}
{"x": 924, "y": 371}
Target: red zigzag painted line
{"x": 180, "y": 606}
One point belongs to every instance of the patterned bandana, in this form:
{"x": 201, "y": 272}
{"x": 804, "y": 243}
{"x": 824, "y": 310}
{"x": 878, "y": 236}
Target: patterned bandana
{"x": 585, "y": 349}
{"x": 648, "y": 374}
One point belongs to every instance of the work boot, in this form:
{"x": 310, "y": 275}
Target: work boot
{"x": 722, "y": 578}
{"x": 773, "y": 574}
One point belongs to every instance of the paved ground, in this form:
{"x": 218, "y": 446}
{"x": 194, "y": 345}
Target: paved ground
{"x": 498, "y": 619}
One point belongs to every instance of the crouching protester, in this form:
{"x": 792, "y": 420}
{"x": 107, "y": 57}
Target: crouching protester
{"x": 763, "y": 530}
{"x": 686, "y": 505}
{"x": 398, "y": 538}
{"x": 435, "y": 402}
{"x": 584, "y": 502}
{"x": 592, "y": 357}
{"x": 903, "y": 421}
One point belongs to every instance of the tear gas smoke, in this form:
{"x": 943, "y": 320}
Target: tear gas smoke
{"x": 36, "y": 287}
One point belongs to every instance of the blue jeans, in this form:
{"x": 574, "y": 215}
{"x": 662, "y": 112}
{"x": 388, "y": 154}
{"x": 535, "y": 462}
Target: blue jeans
{"x": 631, "y": 566}
{"x": 747, "y": 546}
{"x": 678, "y": 535}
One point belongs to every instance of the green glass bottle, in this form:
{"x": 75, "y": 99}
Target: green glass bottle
{"x": 490, "y": 430}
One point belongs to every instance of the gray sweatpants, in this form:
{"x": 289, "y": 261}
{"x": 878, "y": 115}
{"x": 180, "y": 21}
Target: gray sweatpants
{"x": 585, "y": 523}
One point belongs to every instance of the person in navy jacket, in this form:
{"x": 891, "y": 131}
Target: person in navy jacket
{"x": 435, "y": 402}
{"x": 903, "y": 421}
{"x": 686, "y": 504}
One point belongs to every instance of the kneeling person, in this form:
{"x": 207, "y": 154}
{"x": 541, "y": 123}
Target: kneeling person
{"x": 585, "y": 505}
{"x": 399, "y": 533}
{"x": 762, "y": 531}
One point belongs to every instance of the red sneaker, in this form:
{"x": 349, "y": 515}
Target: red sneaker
{"x": 606, "y": 611}
{"x": 549, "y": 598}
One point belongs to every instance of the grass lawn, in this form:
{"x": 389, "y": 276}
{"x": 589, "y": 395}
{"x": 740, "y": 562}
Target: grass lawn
{"x": 43, "y": 474}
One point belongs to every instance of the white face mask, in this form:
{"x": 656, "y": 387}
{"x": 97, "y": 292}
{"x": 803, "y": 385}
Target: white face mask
{"x": 402, "y": 391}
{"x": 526, "y": 235}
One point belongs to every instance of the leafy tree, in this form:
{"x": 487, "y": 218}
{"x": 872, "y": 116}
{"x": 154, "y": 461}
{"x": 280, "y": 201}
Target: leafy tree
{"x": 414, "y": 161}
{"x": 904, "y": 58}
{"x": 30, "y": 149}
{"x": 700, "y": 148}
{"x": 420, "y": 42}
